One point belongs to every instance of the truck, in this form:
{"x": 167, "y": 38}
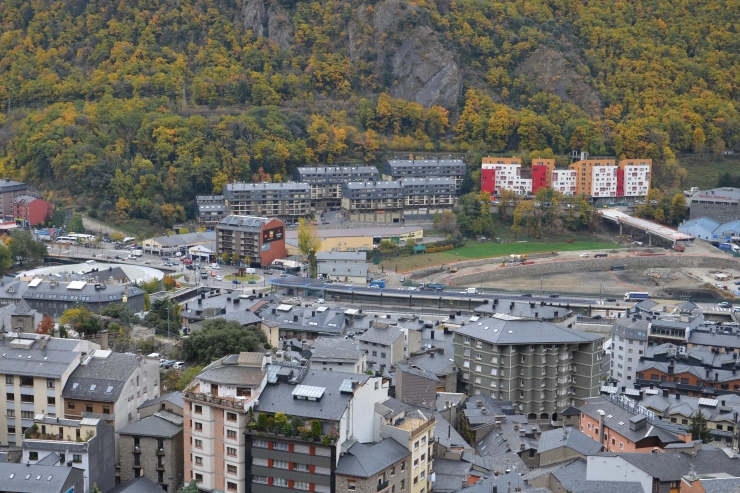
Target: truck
{"x": 471, "y": 291}
{"x": 729, "y": 247}
{"x": 690, "y": 193}
{"x": 137, "y": 252}
{"x": 636, "y": 295}
{"x": 679, "y": 248}
{"x": 617, "y": 267}
{"x": 435, "y": 287}
{"x": 601, "y": 255}
{"x": 378, "y": 283}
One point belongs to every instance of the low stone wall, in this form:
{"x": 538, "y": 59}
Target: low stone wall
{"x": 584, "y": 265}
{"x": 419, "y": 273}
{"x": 593, "y": 328}
{"x": 93, "y": 226}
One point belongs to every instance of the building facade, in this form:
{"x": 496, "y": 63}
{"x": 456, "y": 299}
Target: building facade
{"x": 499, "y": 174}
{"x": 153, "y": 447}
{"x": 33, "y": 388}
{"x": 629, "y": 344}
{"x": 542, "y": 173}
{"x": 259, "y": 238}
{"x": 382, "y": 467}
{"x": 216, "y": 413}
{"x": 719, "y": 204}
{"x": 515, "y": 360}
{"x": 427, "y": 196}
{"x": 372, "y": 201}
{"x": 210, "y": 209}
{"x": 326, "y": 181}
{"x": 422, "y": 168}
{"x": 286, "y": 201}
{"x": 9, "y": 190}
{"x": 29, "y": 211}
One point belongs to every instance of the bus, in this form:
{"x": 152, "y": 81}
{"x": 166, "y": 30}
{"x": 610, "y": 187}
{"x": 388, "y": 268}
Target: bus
{"x": 82, "y": 238}
{"x": 636, "y": 295}
{"x": 66, "y": 240}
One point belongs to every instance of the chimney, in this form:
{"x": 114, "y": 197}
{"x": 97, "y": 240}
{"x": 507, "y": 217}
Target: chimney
{"x": 295, "y": 318}
{"x": 104, "y": 339}
{"x": 432, "y": 334}
{"x": 665, "y": 392}
{"x": 678, "y": 397}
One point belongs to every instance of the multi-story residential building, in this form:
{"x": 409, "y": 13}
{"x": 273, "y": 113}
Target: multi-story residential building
{"x": 259, "y": 238}
{"x": 337, "y": 403}
{"x": 111, "y": 386}
{"x": 286, "y": 201}
{"x": 341, "y": 257}
{"x": 153, "y": 447}
{"x": 326, "y": 181}
{"x": 629, "y": 345}
{"x": 373, "y": 201}
{"x": 604, "y": 181}
{"x": 427, "y": 196}
{"x": 416, "y": 386}
{"x": 381, "y": 467}
{"x": 564, "y": 181}
{"x": 216, "y": 414}
{"x": 88, "y": 444}
{"x": 499, "y": 174}
{"x": 620, "y": 428}
{"x": 210, "y": 209}
{"x": 421, "y": 168}
{"x": 585, "y": 174}
{"x": 542, "y": 173}
{"x": 9, "y": 190}
{"x": 636, "y": 177}
{"x": 36, "y": 368}
{"x": 29, "y": 211}
{"x": 414, "y": 430}
{"x": 337, "y": 354}
{"x": 46, "y": 478}
{"x": 171, "y": 402}
{"x": 354, "y": 273}
{"x": 542, "y": 367}
{"x": 384, "y": 343}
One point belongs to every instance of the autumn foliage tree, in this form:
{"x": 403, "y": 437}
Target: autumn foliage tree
{"x": 46, "y": 325}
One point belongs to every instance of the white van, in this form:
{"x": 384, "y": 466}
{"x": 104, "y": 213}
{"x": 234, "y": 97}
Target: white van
{"x": 250, "y": 271}
{"x": 90, "y": 262}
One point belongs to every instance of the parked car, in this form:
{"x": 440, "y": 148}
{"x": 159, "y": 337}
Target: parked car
{"x": 596, "y": 317}
{"x": 251, "y": 281}
{"x": 213, "y": 274}
{"x": 610, "y": 300}
{"x": 584, "y": 255}
{"x": 179, "y": 365}
{"x": 320, "y": 301}
{"x": 235, "y": 281}
{"x": 117, "y": 257}
{"x": 219, "y": 278}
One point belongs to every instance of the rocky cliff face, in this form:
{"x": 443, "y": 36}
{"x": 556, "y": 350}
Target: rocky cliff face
{"x": 422, "y": 69}
{"x": 279, "y": 27}
{"x": 252, "y": 16}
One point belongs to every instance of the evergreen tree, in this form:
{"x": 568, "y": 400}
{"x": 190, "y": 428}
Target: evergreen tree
{"x": 698, "y": 428}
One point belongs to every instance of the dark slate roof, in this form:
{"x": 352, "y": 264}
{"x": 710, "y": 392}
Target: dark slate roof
{"x": 571, "y": 411}
{"x": 521, "y": 309}
{"x": 385, "y": 336}
{"x": 621, "y": 415}
{"x": 38, "y": 482}
{"x": 500, "y": 463}
{"x": 151, "y": 426}
{"x": 228, "y": 371}
{"x": 450, "y": 475}
{"x": 50, "y": 362}
{"x": 364, "y": 461}
{"x": 721, "y": 485}
{"x": 446, "y": 435}
{"x": 570, "y": 438}
{"x": 103, "y": 373}
{"x": 415, "y": 370}
{"x": 331, "y": 406}
{"x": 142, "y": 484}
{"x": 702, "y": 338}
{"x": 173, "y": 397}
{"x": 671, "y": 467}
{"x": 50, "y": 460}
{"x": 23, "y": 308}
{"x": 244, "y": 317}
{"x": 498, "y": 331}
{"x": 332, "y": 349}
{"x": 573, "y": 478}
{"x": 626, "y": 327}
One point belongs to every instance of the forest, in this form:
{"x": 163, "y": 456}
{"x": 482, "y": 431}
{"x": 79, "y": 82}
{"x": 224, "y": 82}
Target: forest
{"x": 127, "y": 110}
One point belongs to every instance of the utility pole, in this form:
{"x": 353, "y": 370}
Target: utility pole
{"x": 184, "y": 98}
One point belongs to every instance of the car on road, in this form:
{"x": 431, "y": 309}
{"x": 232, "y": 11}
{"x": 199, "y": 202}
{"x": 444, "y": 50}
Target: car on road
{"x": 610, "y": 300}
{"x": 267, "y": 272}
{"x": 596, "y": 317}
{"x": 724, "y": 304}
{"x": 412, "y": 288}
{"x": 527, "y": 295}
{"x": 584, "y": 255}
{"x": 235, "y": 281}
{"x": 117, "y": 257}
{"x": 735, "y": 309}
{"x": 320, "y": 301}
{"x": 555, "y": 295}
{"x": 296, "y": 298}
{"x": 213, "y": 274}
{"x": 251, "y": 281}
{"x": 179, "y": 365}
{"x": 219, "y": 278}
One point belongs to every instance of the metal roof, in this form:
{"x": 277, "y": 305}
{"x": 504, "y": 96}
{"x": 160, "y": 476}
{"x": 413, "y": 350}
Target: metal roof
{"x": 309, "y": 392}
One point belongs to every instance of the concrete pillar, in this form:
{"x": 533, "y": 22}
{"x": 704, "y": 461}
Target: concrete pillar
{"x": 620, "y": 230}
{"x": 650, "y": 239}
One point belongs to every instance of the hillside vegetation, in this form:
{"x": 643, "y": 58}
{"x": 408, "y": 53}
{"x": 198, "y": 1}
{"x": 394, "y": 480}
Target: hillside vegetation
{"x": 132, "y": 108}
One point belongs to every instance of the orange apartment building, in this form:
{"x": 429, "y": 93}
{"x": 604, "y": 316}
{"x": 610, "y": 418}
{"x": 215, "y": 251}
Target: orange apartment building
{"x": 687, "y": 379}
{"x": 585, "y": 170}
{"x": 216, "y": 414}
{"x": 620, "y": 430}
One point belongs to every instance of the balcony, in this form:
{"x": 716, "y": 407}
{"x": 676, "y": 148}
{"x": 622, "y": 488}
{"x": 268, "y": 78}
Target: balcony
{"x": 382, "y": 486}
{"x": 225, "y": 402}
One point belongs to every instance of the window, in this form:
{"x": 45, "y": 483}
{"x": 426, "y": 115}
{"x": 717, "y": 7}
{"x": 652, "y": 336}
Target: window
{"x": 230, "y": 468}
{"x": 230, "y": 486}
{"x": 198, "y": 409}
{"x": 300, "y": 485}
{"x": 26, "y": 398}
{"x": 382, "y": 355}
{"x": 10, "y": 413}
{"x": 231, "y": 434}
{"x": 88, "y": 408}
{"x": 198, "y": 478}
{"x": 198, "y": 443}
{"x": 259, "y": 443}
{"x": 279, "y": 464}
{"x": 50, "y": 384}
{"x": 198, "y": 426}
{"x": 301, "y": 467}
{"x": 351, "y": 485}
{"x": 76, "y": 458}
{"x": 9, "y": 379}
{"x": 9, "y": 396}
{"x": 106, "y": 409}
{"x": 416, "y": 463}
{"x": 198, "y": 460}
{"x": 280, "y": 446}
{"x": 280, "y": 482}
{"x": 230, "y": 451}
{"x": 403, "y": 467}
{"x": 259, "y": 479}
{"x": 375, "y": 353}
{"x": 403, "y": 484}
{"x": 11, "y": 429}
{"x": 26, "y": 382}
{"x": 621, "y": 446}
{"x": 231, "y": 416}
{"x": 33, "y": 455}
{"x": 27, "y": 414}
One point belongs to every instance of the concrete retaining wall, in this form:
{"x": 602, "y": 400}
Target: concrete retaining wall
{"x": 419, "y": 273}
{"x": 544, "y": 268}
{"x": 93, "y": 226}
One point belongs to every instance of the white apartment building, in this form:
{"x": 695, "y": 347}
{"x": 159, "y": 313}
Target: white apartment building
{"x": 564, "y": 181}
{"x": 636, "y": 179}
{"x": 509, "y": 177}
{"x": 604, "y": 181}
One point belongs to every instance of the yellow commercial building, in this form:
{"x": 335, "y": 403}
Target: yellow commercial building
{"x": 357, "y": 238}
